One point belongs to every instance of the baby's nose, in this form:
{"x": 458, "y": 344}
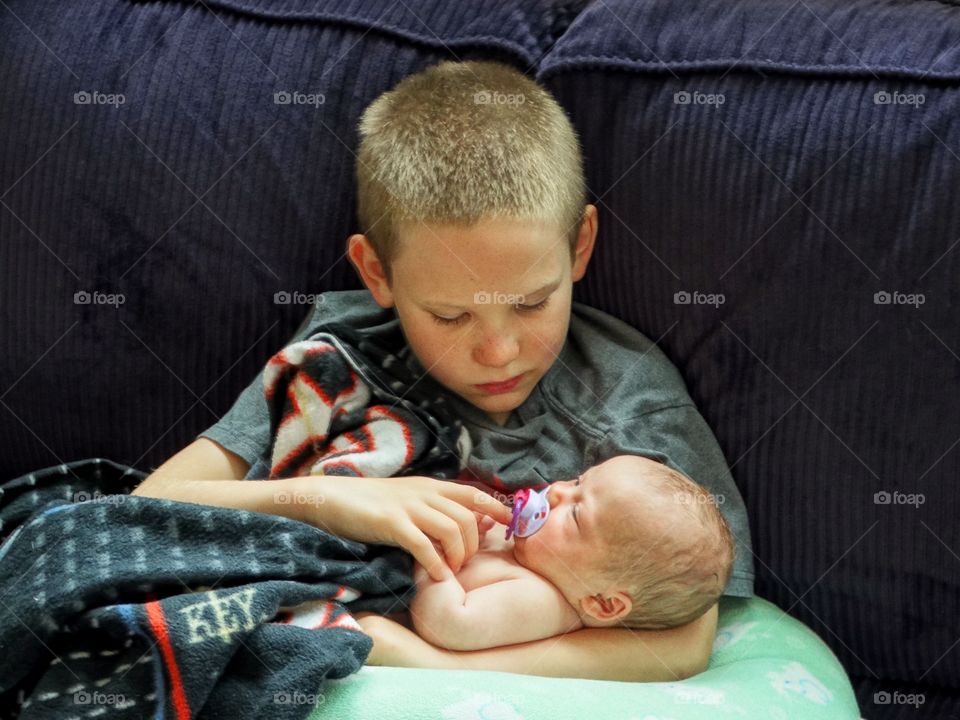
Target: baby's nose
{"x": 558, "y": 491}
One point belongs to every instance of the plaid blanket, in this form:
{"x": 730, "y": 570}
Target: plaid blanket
{"x": 136, "y": 607}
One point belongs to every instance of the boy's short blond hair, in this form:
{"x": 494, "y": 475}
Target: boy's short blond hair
{"x": 465, "y": 141}
{"x": 674, "y": 578}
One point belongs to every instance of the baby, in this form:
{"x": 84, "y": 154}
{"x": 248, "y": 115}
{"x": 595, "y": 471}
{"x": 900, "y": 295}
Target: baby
{"x": 629, "y": 542}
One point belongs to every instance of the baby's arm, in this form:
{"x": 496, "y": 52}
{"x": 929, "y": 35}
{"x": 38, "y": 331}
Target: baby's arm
{"x": 510, "y": 610}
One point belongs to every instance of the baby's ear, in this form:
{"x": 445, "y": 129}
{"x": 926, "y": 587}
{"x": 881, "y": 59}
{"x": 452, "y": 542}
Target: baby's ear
{"x": 606, "y": 609}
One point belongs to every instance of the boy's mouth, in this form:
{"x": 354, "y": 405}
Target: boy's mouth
{"x": 500, "y": 387}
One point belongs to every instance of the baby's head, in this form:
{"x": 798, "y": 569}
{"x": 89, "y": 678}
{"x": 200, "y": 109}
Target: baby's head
{"x": 472, "y": 202}
{"x": 632, "y": 542}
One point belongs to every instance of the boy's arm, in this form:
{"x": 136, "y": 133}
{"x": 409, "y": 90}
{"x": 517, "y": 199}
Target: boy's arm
{"x": 591, "y": 653}
{"x": 409, "y": 512}
{"x": 505, "y": 612}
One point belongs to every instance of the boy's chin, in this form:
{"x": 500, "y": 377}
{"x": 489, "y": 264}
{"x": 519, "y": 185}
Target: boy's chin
{"x": 503, "y": 404}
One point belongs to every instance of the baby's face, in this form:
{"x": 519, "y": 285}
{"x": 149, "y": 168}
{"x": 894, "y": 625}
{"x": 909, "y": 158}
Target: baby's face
{"x": 567, "y": 549}
{"x": 485, "y": 304}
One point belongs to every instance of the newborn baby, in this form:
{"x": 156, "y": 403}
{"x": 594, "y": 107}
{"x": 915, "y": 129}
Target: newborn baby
{"x": 629, "y": 542}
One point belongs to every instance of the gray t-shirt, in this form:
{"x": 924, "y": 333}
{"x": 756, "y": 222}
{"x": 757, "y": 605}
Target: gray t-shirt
{"x": 611, "y": 392}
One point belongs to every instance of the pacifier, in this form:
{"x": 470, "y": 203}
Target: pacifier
{"x": 530, "y": 511}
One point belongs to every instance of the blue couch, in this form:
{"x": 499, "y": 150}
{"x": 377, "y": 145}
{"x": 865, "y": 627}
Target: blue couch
{"x": 775, "y": 182}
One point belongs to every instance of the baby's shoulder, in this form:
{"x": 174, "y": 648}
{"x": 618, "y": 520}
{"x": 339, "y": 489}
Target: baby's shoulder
{"x": 494, "y": 562}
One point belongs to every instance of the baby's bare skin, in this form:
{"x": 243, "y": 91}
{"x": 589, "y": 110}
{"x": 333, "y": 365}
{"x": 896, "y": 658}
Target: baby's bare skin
{"x": 493, "y": 562}
{"x": 492, "y": 601}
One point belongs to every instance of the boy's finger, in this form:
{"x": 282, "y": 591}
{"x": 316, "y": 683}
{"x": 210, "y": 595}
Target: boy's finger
{"x": 467, "y": 523}
{"x": 446, "y": 530}
{"x": 423, "y": 550}
{"x": 455, "y": 545}
{"x": 480, "y": 501}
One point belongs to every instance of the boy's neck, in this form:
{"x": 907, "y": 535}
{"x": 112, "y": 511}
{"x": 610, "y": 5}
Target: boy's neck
{"x": 499, "y": 418}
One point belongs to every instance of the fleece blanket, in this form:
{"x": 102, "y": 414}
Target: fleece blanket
{"x": 150, "y": 608}
{"x": 342, "y": 405}
{"x": 154, "y": 608}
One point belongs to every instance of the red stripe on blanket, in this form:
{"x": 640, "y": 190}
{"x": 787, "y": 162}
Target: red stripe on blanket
{"x": 407, "y": 441}
{"x": 294, "y": 460}
{"x": 346, "y": 622}
{"x": 318, "y": 390}
{"x": 158, "y": 625}
{"x": 283, "y": 378}
{"x": 325, "y": 618}
{"x": 292, "y": 398}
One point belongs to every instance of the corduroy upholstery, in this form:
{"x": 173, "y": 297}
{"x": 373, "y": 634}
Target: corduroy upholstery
{"x": 798, "y": 198}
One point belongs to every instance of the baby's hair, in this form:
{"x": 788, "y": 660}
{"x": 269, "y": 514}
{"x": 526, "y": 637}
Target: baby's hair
{"x": 461, "y": 142}
{"x": 684, "y": 572}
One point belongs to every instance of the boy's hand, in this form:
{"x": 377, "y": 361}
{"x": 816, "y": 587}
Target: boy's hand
{"x": 411, "y": 512}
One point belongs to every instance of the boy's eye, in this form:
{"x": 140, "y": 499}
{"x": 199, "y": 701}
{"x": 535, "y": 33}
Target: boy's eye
{"x": 531, "y": 308}
{"x": 459, "y": 320}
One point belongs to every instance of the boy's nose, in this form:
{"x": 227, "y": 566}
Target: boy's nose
{"x": 496, "y": 350}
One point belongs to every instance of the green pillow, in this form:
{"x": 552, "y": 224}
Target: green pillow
{"x": 765, "y": 664}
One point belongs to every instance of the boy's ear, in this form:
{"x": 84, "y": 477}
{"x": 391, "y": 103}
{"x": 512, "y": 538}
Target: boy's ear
{"x": 585, "y": 243}
{"x": 368, "y": 265}
{"x": 606, "y": 608}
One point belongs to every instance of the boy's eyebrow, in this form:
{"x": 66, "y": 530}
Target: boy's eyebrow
{"x": 551, "y": 286}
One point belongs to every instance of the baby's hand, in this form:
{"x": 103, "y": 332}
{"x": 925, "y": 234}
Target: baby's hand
{"x": 484, "y": 523}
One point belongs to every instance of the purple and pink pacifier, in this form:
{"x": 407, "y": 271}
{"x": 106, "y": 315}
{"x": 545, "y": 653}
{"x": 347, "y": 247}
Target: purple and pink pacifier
{"x": 530, "y": 511}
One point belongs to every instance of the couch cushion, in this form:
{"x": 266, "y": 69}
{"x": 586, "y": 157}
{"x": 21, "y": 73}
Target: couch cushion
{"x": 764, "y": 664}
{"x": 776, "y": 184}
{"x": 191, "y": 160}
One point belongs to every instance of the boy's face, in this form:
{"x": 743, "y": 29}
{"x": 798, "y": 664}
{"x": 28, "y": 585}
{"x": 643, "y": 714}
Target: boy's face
{"x": 569, "y": 546}
{"x": 482, "y": 305}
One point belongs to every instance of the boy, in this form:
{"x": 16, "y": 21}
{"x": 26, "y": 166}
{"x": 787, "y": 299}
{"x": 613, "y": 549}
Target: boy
{"x": 630, "y": 542}
{"x": 472, "y": 201}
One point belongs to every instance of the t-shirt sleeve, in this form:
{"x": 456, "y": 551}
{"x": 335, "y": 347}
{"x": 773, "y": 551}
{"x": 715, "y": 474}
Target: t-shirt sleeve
{"x": 680, "y": 437}
{"x": 245, "y": 428}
